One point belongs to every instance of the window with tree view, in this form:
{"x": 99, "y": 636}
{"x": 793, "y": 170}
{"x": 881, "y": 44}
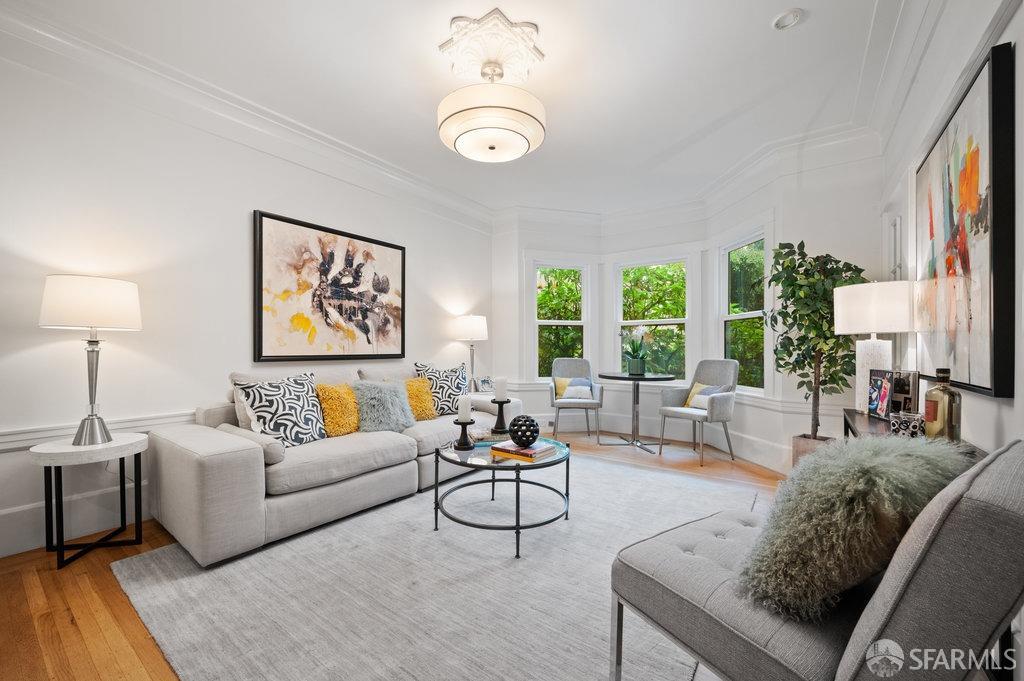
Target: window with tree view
{"x": 559, "y": 316}
{"x": 743, "y": 318}
{"x": 654, "y": 306}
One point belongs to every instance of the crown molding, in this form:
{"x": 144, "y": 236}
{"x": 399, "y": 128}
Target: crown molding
{"x": 108, "y": 69}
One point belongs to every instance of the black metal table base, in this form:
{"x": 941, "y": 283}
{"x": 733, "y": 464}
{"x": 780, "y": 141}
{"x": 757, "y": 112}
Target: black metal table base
{"x": 518, "y": 526}
{"x": 53, "y": 487}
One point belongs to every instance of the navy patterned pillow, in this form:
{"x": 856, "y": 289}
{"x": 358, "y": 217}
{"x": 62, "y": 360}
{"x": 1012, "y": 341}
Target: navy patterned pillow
{"x": 446, "y": 386}
{"x": 287, "y": 409}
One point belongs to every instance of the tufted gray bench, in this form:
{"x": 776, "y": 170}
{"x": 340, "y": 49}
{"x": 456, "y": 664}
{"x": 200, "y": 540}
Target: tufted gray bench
{"x": 955, "y": 581}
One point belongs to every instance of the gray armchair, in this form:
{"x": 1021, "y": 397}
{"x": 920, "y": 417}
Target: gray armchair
{"x": 571, "y": 367}
{"x": 719, "y": 372}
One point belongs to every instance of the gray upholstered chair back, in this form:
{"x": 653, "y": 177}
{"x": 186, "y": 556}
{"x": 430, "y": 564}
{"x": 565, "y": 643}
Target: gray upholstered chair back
{"x": 958, "y": 575}
{"x": 570, "y": 367}
{"x": 723, "y": 372}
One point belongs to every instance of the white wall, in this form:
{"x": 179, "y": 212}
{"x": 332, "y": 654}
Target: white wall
{"x": 92, "y": 184}
{"x": 989, "y": 423}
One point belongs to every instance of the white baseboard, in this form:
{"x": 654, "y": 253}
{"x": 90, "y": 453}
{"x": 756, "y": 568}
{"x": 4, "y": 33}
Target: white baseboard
{"x": 23, "y": 528}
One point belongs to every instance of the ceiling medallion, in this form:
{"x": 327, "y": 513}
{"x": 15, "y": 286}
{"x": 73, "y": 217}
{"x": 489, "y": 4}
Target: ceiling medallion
{"x": 491, "y": 121}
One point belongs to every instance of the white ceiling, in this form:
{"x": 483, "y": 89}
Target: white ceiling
{"x": 649, "y": 102}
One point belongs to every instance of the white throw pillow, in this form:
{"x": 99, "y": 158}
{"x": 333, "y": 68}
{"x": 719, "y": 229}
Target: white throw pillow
{"x": 578, "y": 392}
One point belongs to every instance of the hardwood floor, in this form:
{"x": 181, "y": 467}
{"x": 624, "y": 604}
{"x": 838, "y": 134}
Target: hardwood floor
{"x": 76, "y": 623}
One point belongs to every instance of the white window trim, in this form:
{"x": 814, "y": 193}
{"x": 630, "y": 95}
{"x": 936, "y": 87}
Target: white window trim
{"x": 534, "y": 261}
{"x": 690, "y": 257}
{"x": 761, "y": 229}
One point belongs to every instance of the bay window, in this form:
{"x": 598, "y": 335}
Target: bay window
{"x": 654, "y": 303}
{"x": 560, "y": 315}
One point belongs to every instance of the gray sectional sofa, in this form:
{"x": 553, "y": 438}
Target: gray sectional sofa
{"x": 211, "y": 489}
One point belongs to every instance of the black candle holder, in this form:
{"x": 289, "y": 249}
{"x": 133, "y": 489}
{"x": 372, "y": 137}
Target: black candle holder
{"x": 464, "y": 444}
{"x": 499, "y": 422}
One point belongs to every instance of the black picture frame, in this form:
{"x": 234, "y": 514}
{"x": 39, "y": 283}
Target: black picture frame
{"x": 1002, "y": 229}
{"x": 259, "y": 353}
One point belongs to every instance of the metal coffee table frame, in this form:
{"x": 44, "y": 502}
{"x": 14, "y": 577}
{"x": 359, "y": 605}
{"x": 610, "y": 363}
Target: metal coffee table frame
{"x": 518, "y": 526}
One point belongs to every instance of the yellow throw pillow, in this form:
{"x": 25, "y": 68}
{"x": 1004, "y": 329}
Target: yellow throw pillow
{"x": 560, "y": 385}
{"x": 341, "y": 411}
{"x": 421, "y": 401}
{"x": 694, "y": 392}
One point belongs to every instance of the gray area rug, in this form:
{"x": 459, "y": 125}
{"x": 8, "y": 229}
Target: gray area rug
{"x": 381, "y": 596}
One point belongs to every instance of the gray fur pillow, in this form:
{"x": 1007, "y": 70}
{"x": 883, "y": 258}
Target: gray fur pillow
{"x": 383, "y": 406}
{"x": 839, "y": 517}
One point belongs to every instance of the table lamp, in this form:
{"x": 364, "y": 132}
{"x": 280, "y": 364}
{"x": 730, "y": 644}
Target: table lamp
{"x": 72, "y": 301}
{"x": 471, "y": 327}
{"x": 877, "y": 307}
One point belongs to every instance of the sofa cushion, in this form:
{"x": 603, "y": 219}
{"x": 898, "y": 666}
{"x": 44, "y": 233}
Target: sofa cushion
{"x": 332, "y": 375}
{"x": 421, "y": 401}
{"x": 273, "y": 449}
{"x": 383, "y": 406}
{"x": 337, "y": 458}
{"x": 387, "y": 372}
{"x": 435, "y": 433}
{"x": 839, "y": 517}
{"x": 685, "y": 580}
{"x": 446, "y": 385}
{"x": 340, "y": 408}
{"x": 288, "y": 409}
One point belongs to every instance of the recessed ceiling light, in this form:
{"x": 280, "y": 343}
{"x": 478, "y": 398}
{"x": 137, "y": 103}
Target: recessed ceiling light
{"x": 788, "y": 19}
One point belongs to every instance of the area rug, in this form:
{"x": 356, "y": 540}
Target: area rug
{"x": 380, "y": 595}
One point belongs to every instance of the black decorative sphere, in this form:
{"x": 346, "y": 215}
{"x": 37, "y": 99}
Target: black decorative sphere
{"x": 523, "y": 430}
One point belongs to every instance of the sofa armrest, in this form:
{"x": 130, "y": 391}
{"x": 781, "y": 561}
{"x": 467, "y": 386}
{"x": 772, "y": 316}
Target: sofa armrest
{"x": 213, "y": 415}
{"x": 273, "y": 449}
{"x": 207, "y": 488}
{"x": 674, "y": 397}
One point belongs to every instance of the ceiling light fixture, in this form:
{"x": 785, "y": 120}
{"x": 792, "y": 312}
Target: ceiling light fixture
{"x": 788, "y": 19}
{"x": 491, "y": 122}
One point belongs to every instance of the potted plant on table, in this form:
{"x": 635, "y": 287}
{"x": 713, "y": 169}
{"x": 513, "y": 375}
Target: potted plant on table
{"x": 635, "y": 351}
{"x": 807, "y": 346}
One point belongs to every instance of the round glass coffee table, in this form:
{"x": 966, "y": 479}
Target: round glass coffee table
{"x": 480, "y": 458}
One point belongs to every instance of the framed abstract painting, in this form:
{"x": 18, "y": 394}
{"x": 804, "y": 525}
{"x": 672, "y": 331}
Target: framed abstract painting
{"x": 324, "y": 294}
{"x": 964, "y": 196}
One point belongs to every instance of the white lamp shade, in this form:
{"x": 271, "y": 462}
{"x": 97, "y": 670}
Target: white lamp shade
{"x": 72, "y": 301}
{"x": 490, "y": 122}
{"x": 878, "y": 307}
{"x": 471, "y": 327}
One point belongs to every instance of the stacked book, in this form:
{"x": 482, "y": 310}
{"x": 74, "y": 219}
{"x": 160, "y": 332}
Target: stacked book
{"x": 535, "y": 452}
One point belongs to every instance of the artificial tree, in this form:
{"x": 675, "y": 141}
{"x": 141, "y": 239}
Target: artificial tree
{"x": 803, "y": 317}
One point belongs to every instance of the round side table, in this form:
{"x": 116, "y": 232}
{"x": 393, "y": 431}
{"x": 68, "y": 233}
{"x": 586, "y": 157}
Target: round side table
{"x": 634, "y": 435}
{"x": 53, "y": 456}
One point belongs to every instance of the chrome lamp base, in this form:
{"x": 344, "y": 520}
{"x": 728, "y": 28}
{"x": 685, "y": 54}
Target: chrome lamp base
{"x": 92, "y": 431}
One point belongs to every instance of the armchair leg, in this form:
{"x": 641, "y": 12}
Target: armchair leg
{"x": 728, "y": 440}
{"x": 597, "y": 417}
{"x": 661, "y": 443}
{"x": 694, "y": 439}
{"x": 586, "y": 414}
{"x": 554, "y": 435}
{"x": 615, "y": 671}
{"x": 700, "y": 427}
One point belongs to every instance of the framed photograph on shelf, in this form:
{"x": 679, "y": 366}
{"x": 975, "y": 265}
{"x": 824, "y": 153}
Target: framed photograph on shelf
{"x": 323, "y": 294}
{"x": 905, "y": 388}
{"x": 964, "y": 233}
{"x": 879, "y": 393}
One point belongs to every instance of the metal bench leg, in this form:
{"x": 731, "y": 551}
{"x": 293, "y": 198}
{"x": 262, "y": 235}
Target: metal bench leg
{"x": 615, "y": 670}
{"x": 661, "y": 444}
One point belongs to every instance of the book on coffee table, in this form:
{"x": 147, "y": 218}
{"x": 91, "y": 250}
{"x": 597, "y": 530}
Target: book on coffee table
{"x": 511, "y": 450}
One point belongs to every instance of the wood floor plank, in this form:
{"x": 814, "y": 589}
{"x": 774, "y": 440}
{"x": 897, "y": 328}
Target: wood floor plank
{"x": 99, "y": 650}
{"x": 67, "y": 628}
{"x": 58, "y": 666}
{"x": 19, "y": 648}
{"x": 127, "y": 660}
